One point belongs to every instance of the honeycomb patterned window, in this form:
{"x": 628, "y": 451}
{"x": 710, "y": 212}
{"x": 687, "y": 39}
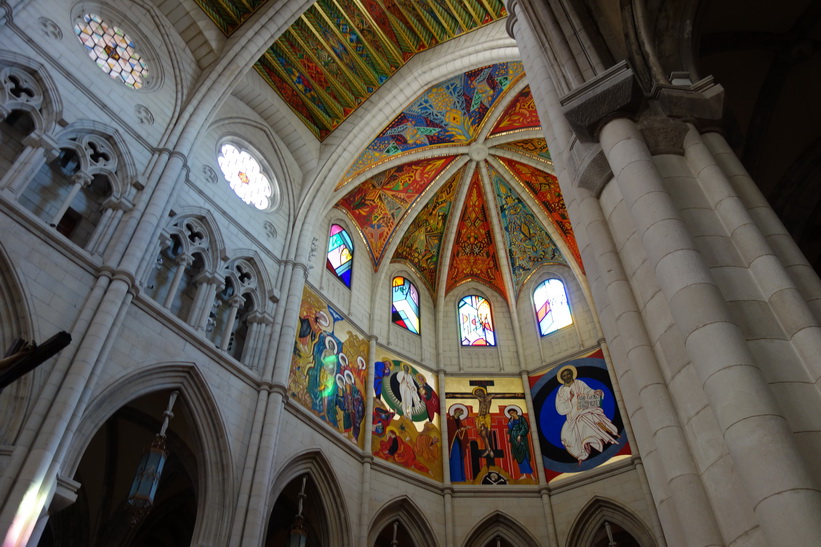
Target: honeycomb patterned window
{"x": 112, "y": 50}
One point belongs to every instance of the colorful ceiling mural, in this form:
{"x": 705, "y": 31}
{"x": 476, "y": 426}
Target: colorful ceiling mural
{"x": 533, "y": 148}
{"x": 544, "y": 187}
{"x": 519, "y": 115}
{"x": 473, "y": 256}
{"x": 460, "y": 214}
{"x": 422, "y": 242}
{"x": 528, "y": 243}
{"x": 378, "y": 205}
{"x": 229, "y": 15}
{"x": 339, "y": 52}
{"x": 449, "y": 113}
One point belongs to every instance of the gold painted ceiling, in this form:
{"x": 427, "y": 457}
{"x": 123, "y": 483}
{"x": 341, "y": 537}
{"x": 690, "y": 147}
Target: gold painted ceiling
{"x": 339, "y": 52}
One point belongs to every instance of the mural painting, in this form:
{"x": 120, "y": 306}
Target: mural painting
{"x": 489, "y": 438}
{"x": 406, "y": 426}
{"x": 580, "y": 426}
{"x": 329, "y": 367}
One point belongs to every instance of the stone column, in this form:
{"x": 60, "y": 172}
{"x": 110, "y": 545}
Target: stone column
{"x": 781, "y": 489}
{"x": 80, "y": 179}
{"x": 225, "y": 336}
{"x": 183, "y": 261}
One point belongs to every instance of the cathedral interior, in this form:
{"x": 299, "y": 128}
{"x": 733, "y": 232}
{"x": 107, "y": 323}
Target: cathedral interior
{"x": 410, "y": 273}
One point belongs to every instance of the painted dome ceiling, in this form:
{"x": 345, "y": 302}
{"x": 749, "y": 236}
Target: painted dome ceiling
{"x": 459, "y": 187}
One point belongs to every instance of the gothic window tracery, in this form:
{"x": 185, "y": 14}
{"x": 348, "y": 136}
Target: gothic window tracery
{"x": 112, "y": 50}
{"x": 79, "y": 192}
{"x": 246, "y": 175}
{"x": 340, "y": 254}
{"x": 550, "y": 305}
{"x": 405, "y": 304}
{"x": 476, "y": 322}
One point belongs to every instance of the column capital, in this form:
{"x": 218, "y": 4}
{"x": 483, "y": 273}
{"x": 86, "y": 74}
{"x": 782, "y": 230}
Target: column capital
{"x": 613, "y": 93}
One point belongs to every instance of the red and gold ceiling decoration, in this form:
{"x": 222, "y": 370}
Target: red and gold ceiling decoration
{"x": 473, "y": 255}
{"x": 477, "y": 195}
{"x": 339, "y": 52}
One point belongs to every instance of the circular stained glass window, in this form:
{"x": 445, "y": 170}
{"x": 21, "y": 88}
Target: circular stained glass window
{"x": 112, "y": 50}
{"x": 244, "y": 173}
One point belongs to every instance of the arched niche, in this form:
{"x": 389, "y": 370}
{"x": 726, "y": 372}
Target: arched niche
{"x": 499, "y": 530}
{"x": 205, "y": 438}
{"x": 101, "y": 515}
{"x": 413, "y": 529}
{"x": 325, "y": 510}
{"x": 589, "y": 529}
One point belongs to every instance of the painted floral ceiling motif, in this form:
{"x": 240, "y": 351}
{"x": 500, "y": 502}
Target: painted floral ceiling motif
{"x": 482, "y": 202}
{"x": 379, "y": 204}
{"x": 449, "y": 113}
{"x": 339, "y": 52}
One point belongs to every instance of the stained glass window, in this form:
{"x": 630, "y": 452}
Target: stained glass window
{"x": 112, "y": 50}
{"x": 244, "y": 173}
{"x": 340, "y": 254}
{"x": 405, "y": 307}
{"x": 552, "y": 311}
{"x": 476, "y": 322}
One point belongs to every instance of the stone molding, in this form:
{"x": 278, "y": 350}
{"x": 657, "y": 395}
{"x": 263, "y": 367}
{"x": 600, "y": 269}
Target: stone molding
{"x": 614, "y": 92}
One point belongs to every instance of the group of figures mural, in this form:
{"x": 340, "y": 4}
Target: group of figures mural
{"x": 489, "y": 432}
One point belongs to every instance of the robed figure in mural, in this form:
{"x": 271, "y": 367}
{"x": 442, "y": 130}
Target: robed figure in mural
{"x": 456, "y": 440}
{"x": 587, "y": 427}
{"x": 517, "y": 431}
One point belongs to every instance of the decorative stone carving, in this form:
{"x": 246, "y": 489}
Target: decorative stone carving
{"x": 612, "y": 92}
{"x": 209, "y": 175}
{"x": 270, "y": 230}
{"x": 144, "y": 115}
{"x": 312, "y": 253}
{"x": 50, "y": 28}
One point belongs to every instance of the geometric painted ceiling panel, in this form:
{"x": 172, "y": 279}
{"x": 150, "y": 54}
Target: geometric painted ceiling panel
{"x": 229, "y": 15}
{"x": 519, "y": 115}
{"x": 339, "y": 52}
{"x": 379, "y": 204}
{"x": 473, "y": 256}
{"x": 528, "y": 243}
{"x": 422, "y": 242}
{"x": 533, "y": 148}
{"x": 544, "y": 188}
{"x": 449, "y": 113}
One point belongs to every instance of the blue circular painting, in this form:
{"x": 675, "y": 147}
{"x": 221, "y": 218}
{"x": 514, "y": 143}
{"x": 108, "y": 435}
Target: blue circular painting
{"x": 581, "y": 409}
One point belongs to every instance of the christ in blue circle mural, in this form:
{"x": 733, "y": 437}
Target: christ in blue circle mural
{"x": 580, "y": 426}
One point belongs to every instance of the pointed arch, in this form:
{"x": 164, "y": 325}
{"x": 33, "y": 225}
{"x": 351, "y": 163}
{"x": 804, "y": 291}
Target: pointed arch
{"x": 45, "y": 106}
{"x": 215, "y": 484}
{"x": 120, "y": 169}
{"x": 410, "y": 516}
{"x": 498, "y": 524}
{"x": 16, "y": 321}
{"x": 198, "y": 232}
{"x": 592, "y": 517}
{"x": 315, "y": 464}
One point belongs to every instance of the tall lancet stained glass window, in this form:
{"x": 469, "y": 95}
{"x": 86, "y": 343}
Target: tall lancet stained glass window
{"x": 340, "y": 254}
{"x": 476, "y": 322}
{"x": 552, "y": 311}
{"x": 405, "y": 304}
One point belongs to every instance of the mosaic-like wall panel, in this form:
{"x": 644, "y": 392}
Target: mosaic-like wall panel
{"x": 579, "y": 423}
{"x": 489, "y": 437}
{"x": 406, "y": 428}
{"x": 329, "y": 369}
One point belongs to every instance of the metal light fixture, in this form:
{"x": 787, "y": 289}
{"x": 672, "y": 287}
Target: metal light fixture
{"x": 298, "y": 536}
{"x": 149, "y": 470}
